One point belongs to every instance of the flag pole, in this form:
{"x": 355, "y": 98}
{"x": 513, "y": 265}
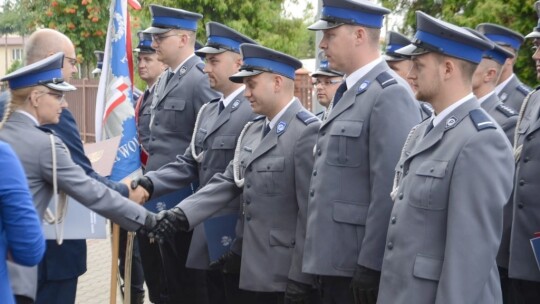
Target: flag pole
{"x": 114, "y": 263}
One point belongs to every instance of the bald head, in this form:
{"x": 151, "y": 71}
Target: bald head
{"x": 46, "y": 42}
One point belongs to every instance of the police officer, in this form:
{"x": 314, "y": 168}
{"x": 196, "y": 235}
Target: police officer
{"x": 212, "y": 146}
{"x": 509, "y": 88}
{"x": 326, "y": 81}
{"x": 357, "y": 148}
{"x": 179, "y": 95}
{"x": 522, "y": 268}
{"x": 271, "y": 168}
{"x": 99, "y": 63}
{"x": 402, "y": 64}
{"x": 37, "y": 99}
{"x": 452, "y": 180}
{"x": 484, "y": 81}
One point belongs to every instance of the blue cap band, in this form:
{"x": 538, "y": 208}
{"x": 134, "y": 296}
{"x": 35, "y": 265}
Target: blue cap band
{"x": 146, "y": 43}
{"x": 230, "y": 43}
{"x": 357, "y": 17}
{"x": 391, "y": 48}
{"x": 34, "y": 79}
{"x": 273, "y": 66}
{"x": 497, "y": 56}
{"x": 451, "y": 47}
{"x": 175, "y": 22}
{"x": 504, "y": 39}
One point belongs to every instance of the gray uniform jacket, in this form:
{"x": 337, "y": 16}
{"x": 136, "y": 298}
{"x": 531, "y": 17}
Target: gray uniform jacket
{"x": 215, "y": 139}
{"x": 513, "y": 93}
{"x": 143, "y": 120}
{"x": 446, "y": 223}
{"x": 174, "y": 108}
{"x": 503, "y": 115}
{"x": 526, "y": 217}
{"x": 357, "y": 149}
{"x": 276, "y": 171}
{"x": 33, "y": 147}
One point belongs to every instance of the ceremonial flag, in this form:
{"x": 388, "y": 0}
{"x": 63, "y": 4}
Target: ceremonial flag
{"x": 114, "y": 110}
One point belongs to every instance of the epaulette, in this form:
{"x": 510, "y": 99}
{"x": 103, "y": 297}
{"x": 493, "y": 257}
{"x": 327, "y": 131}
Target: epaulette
{"x": 507, "y": 111}
{"x": 523, "y": 89}
{"x": 200, "y": 66}
{"x": 481, "y": 120}
{"x": 306, "y": 117}
{"x": 260, "y": 117}
{"x": 385, "y": 79}
{"x": 427, "y": 108}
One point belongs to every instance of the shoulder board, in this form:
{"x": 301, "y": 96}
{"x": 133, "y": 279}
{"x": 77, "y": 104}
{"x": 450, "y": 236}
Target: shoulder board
{"x": 200, "y": 66}
{"x": 507, "y": 111}
{"x": 260, "y": 117}
{"x": 306, "y": 117}
{"x": 481, "y": 120}
{"x": 523, "y": 89}
{"x": 385, "y": 79}
{"x": 46, "y": 130}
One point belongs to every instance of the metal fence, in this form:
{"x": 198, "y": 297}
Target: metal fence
{"x": 82, "y": 102}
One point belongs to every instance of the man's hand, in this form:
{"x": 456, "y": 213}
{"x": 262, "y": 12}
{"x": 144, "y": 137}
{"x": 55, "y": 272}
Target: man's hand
{"x": 143, "y": 182}
{"x": 149, "y": 226}
{"x": 229, "y": 262}
{"x": 297, "y": 293}
{"x": 169, "y": 222}
{"x": 137, "y": 194}
{"x": 365, "y": 285}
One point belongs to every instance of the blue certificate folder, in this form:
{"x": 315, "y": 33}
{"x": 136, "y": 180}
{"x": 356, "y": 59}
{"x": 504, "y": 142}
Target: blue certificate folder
{"x": 220, "y": 233}
{"x": 535, "y": 243}
{"x": 167, "y": 201}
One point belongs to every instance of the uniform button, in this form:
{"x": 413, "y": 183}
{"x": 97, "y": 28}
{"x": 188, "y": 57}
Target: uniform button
{"x": 390, "y": 245}
{"x": 248, "y": 186}
{"x": 293, "y": 242}
{"x": 248, "y": 202}
{"x": 204, "y": 168}
{"x": 343, "y": 130}
{"x": 401, "y": 196}
{"x": 311, "y": 192}
{"x": 526, "y": 159}
{"x": 153, "y": 139}
{"x": 248, "y": 218}
{"x": 406, "y": 172}
{"x": 432, "y": 169}
{"x": 520, "y": 205}
{"x": 314, "y": 172}
{"x": 401, "y": 166}
{"x": 522, "y": 182}
{"x": 151, "y": 153}
{"x": 241, "y": 162}
{"x": 267, "y": 167}
{"x": 221, "y": 144}
{"x": 250, "y": 169}
{"x": 393, "y": 220}
{"x": 323, "y": 133}
{"x": 319, "y": 152}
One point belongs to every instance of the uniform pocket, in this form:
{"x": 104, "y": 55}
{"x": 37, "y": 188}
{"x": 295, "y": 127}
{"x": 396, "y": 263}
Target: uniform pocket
{"x": 347, "y": 232}
{"x": 428, "y": 268}
{"x": 223, "y": 151}
{"x": 345, "y": 143}
{"x": 271, "y": 171}
{"x": 172, "y": 114}
{"x": 428, "y": 190}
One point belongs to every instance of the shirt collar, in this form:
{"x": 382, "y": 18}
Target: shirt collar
{"x": 227, "y": 100}
{"x": 278, "y": 116}
{"x": 438, "y": 118}
{"x": 485, "y": 97}
{"x": 34, "y": 120}
{"x": 501, "y": 85}
{"x": 361, "y": 72}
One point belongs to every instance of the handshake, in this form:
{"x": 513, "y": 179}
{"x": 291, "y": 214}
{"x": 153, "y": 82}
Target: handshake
{"x": 163, "y": 225}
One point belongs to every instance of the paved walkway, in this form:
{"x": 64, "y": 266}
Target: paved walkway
{"x": 94, "y": 285}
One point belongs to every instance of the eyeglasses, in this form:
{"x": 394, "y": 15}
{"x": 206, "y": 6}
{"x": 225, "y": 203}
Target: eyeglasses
{"x": 326, "y": 83}
{"x": 72, "y": 61}
{"x": 59, "y": 96}
{"x": 159, "y": 38}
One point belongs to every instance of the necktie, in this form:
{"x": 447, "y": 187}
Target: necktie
{"x": 429, "y": 128}
{"x": 266, "y": 130}
{"x": 221, "y": 107}
{"x": 170, "y": 74}
{"x": 339, "y": 93}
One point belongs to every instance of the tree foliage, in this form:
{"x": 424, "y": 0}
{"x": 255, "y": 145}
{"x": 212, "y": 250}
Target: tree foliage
{"x": 518, "y": 15}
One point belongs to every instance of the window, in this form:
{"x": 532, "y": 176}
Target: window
{"x": 16, "y": 54}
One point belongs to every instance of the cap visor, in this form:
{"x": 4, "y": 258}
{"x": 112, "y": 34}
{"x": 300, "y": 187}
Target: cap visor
{"x": 144, "y": 50}
{"x": 411, "y": 50}
{"x": 208, "y": 50}
{"x": 394, "y": 59}
{"x": 323, "y": 25}
{"x": 63, "y": 86}
{"x": 239, "y": 77}
{"x": 156, "y": 30}
{"x": 534, "y": 34}
{"x": 323, "y": 73}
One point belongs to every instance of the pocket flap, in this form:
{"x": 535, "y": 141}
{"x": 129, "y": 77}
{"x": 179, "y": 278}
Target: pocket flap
{"x": 224, "y": 142}
{"x": 350, "y": 213}
{"x": 174, "y": 104}
{"x": 426, "y": 267}
{"x": 435, "y": 168}
{"x": 270, "y": 164}
{"x": 523, "y": 129}
{"x": 280, "y": 237}
{"x": 349, "y": 128}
